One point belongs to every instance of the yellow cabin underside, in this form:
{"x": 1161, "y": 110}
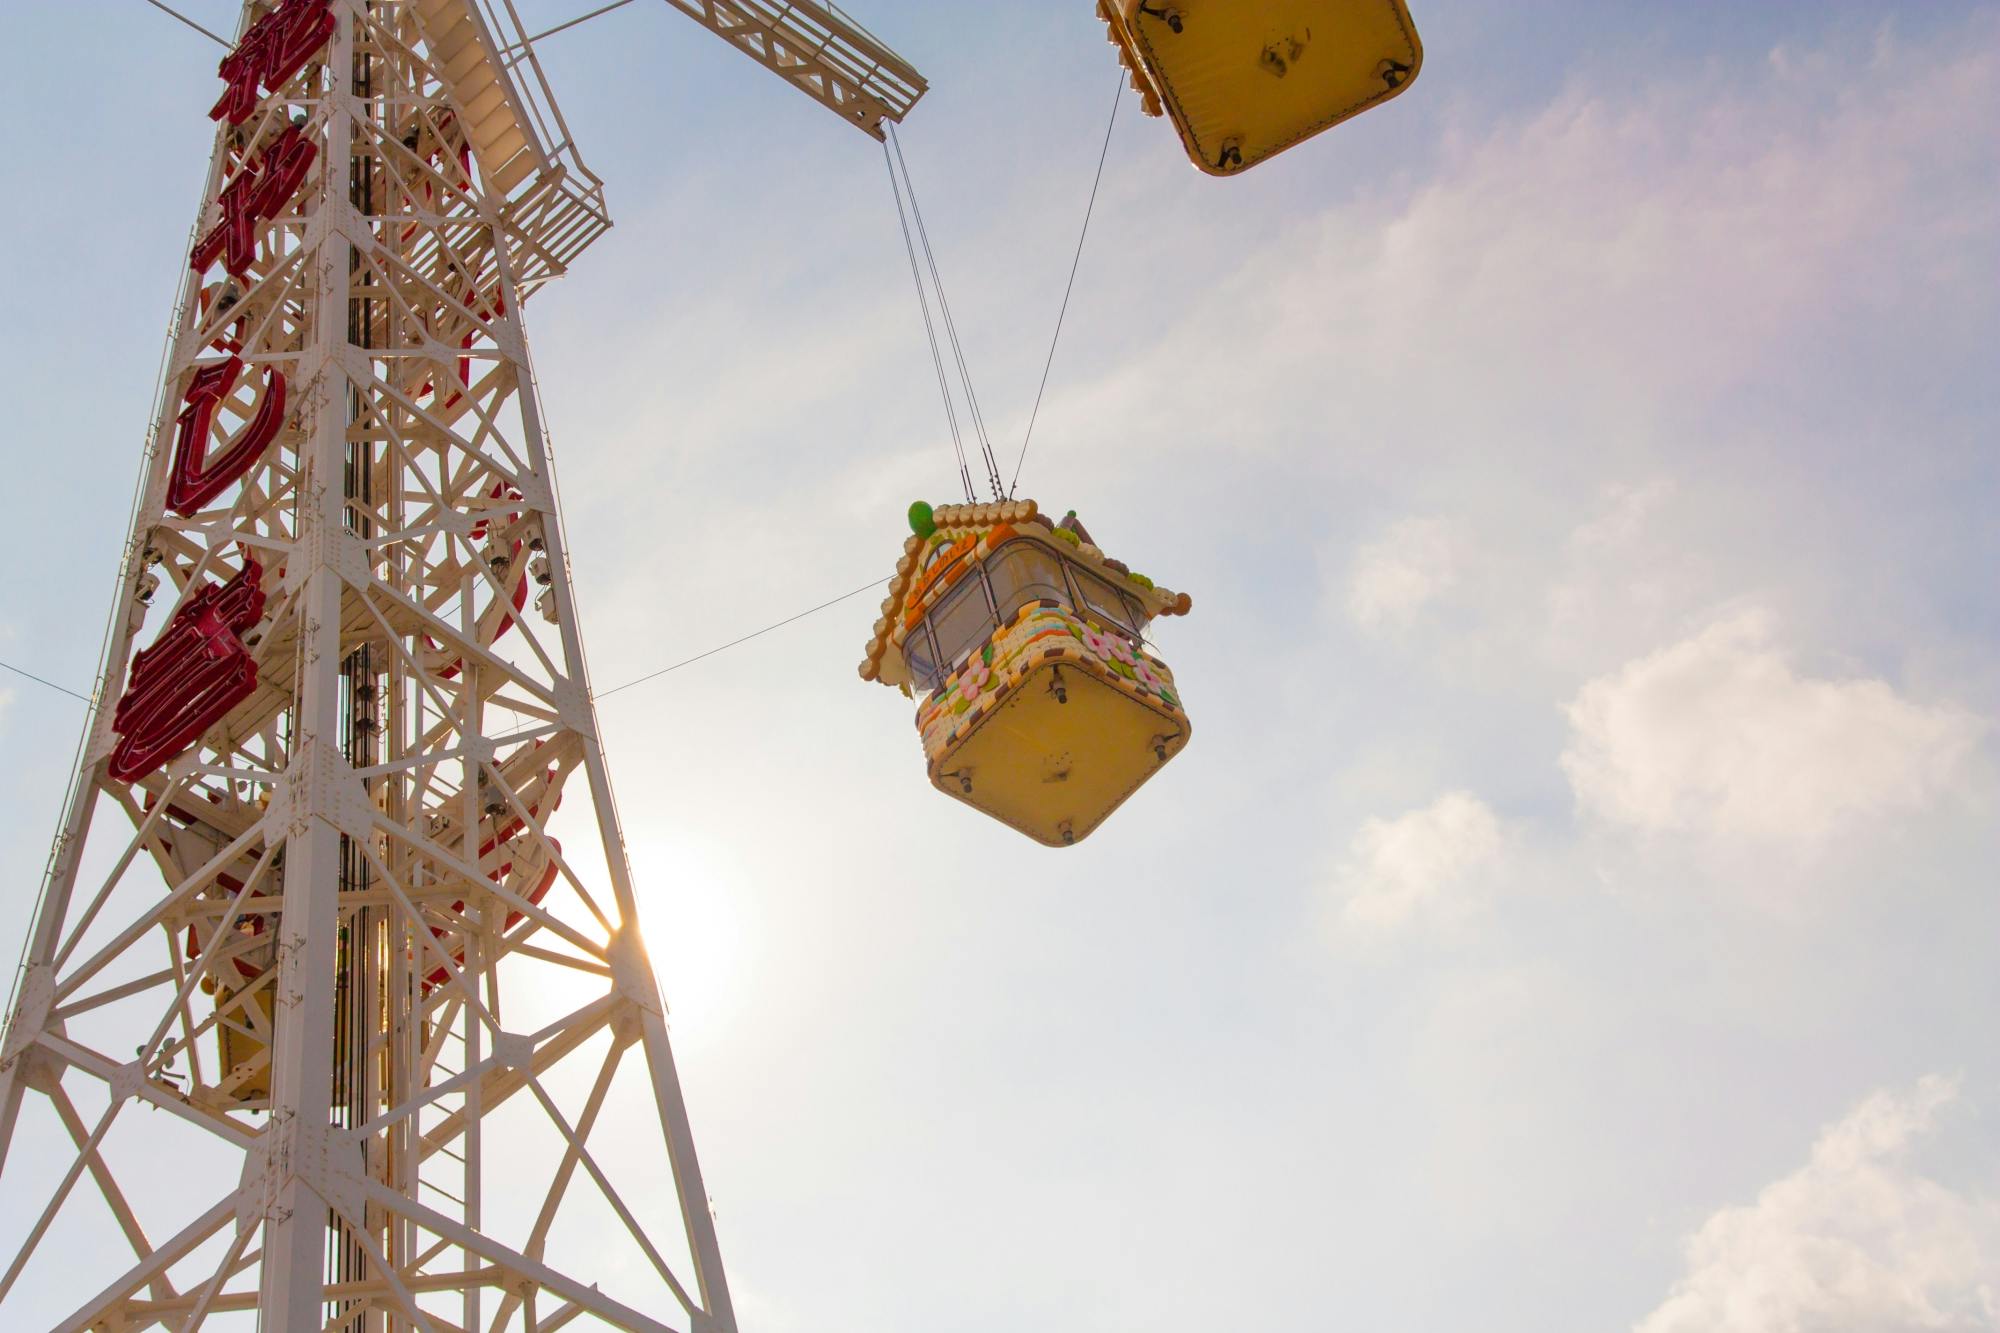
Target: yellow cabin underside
{"x": 1243, "y": 82}
{"x": 1059, "y": 753}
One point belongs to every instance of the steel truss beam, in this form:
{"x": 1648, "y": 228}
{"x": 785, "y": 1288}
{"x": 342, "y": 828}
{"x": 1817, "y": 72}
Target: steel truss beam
{"x": 331, "y": 931}
{"x": 821, "y": 52}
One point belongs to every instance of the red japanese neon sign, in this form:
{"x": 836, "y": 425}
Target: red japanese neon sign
{"x": 276, "y": 47}
{"x": 192, "y": 675}
{"x": 198, "y": 477}
{"x": 258, "y": 192}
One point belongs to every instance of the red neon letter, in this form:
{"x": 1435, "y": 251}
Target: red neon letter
{"x": 258, "y": 192}
{"x": 195, "y": 672}
{"x": 276, "y": 47}
{"x": 197, "y": 478}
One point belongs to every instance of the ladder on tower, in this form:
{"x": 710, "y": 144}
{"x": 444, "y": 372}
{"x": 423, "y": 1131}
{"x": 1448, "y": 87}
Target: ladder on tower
{"x": 525, "y": 153}
{"x": 463, "y": 49}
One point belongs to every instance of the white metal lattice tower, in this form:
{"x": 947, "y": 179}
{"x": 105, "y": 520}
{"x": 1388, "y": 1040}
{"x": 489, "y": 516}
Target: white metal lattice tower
{"x": 327, "y": 1013}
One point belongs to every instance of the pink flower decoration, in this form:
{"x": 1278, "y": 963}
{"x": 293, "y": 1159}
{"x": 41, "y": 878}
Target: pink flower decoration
{"x": 1147, "y": 676}
{"x": 1108, "y": 647}
{"x": 977, "y": 674}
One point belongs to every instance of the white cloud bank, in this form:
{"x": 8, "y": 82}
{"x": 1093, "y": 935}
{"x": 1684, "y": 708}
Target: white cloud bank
{"x": 1394, "y": 578}
{"x": 1631, "y": 251}
{"x": 1719, "y": 734}
{"x": 1427, "y": 864}
{"x": 1627, "y": 569}
{"x": 1855, "y": 1240}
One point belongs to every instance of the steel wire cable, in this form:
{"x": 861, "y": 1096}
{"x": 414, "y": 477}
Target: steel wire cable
{"x": 950, "y": 325}
{"x": 1117, "y": 96}
{"x": 930, "y": 332}
{"x": 754, "y": 634}
{"x": 615, "y": 689}
{"x": 175, "y": 13}
{"x": 39, "y": 681}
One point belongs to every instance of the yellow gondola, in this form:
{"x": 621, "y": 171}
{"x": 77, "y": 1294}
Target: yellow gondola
{"x": 1041, "y": 705}
{"x": 1243, "y": 81}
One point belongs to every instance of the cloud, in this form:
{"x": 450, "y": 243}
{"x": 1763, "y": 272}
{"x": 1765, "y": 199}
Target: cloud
{"x": 1604, "y": 270}
{"x": 1719, "y": 734}
{"x": 1395, "y": 577}
{"x": 1854, "y": 1239}
{"x": 1427, "y": 864}
{"x": 1625, "y": 570}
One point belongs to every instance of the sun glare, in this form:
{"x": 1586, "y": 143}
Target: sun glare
{"x": 692, "y": 911}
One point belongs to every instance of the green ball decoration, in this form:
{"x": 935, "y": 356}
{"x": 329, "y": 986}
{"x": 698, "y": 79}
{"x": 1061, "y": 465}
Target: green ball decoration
{"x": 922, "y": 521}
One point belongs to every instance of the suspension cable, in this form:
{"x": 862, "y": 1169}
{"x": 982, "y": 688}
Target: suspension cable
{"x": 754, "y": 634}
{"x": 565, "y": 27}
{"x": 175, "y": 13}
{"x": 930, "y": 332}
{"x": 950, "y": 325}
{"x": 40, "y": 681}
{"x": 615, "y": 689}
{"x": 1117, "y": 96}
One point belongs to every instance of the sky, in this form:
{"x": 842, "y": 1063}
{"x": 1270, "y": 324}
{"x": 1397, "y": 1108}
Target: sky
{"x": 1575, "y": 909}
